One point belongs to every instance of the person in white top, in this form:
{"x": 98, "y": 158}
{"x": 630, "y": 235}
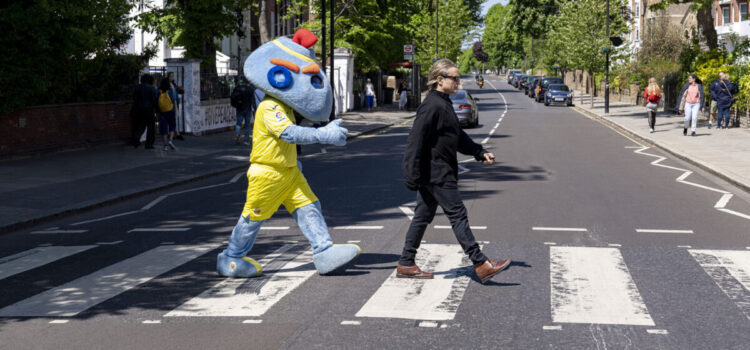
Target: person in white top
{"x": 369, "y": 94}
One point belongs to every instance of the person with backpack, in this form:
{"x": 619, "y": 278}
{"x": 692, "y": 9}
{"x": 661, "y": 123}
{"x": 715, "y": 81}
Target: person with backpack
{"x": 690, "y": 101}
{"x": 167, "y": 121}
{"x": 724, "y": 93}
{"x": 142, "y": 114}
{"x": 243, "y": 99}
{"x": 652, "y": 95}
{"x": 176, "y": 91}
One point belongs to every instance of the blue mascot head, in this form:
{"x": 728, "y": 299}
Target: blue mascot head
{"x": 286, "y": 69}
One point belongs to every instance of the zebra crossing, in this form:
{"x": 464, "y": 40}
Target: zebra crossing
{"x": 587, "y": 285}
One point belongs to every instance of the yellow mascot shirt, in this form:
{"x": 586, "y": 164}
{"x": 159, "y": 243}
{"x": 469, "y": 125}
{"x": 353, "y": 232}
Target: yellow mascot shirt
{"x": 271, "y": 118}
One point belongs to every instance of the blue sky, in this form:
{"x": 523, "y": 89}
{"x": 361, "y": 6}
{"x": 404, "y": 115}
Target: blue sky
{"x": 485, "y": 7}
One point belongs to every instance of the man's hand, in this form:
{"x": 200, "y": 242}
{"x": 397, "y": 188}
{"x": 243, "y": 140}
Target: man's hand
{"x": 489, "y": 158}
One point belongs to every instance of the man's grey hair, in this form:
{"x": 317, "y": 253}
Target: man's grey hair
{"x": 439, "y": 68}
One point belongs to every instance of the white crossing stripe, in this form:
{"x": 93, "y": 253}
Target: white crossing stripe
{"x": 445, "y": 227}
{"x": 424, "y": 299}
{"x": 59, "y": 321}
{"x": 252, "y": 321}
{"x": 274, "y": 228}
{"x": 657, "y": 331}
{"x": 428, "y": 324}
{"x": 552, "y": 328}
{"x": 358, "y": 228}
{"x": 151, "y": 322}
{"x": 641, "y": 230}
{"x": 563, "y": 229}
{"x": 78, "y": 295}
{"x": 251, "y": 297}
{"x": 351, "y": 323}
{"x": 730, "y": 269}
{"x": 35, "y": 257}
{"x": 593, "y": 285}
{"x": 160, "y": 229}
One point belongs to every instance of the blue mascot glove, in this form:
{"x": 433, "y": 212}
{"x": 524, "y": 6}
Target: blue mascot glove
{"x": 332, "y": 134}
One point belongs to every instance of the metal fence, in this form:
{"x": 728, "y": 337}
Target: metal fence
{"x": 215, "y": 86}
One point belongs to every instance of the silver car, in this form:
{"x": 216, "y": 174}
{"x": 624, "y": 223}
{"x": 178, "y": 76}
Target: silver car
{"x": 466, "y": 108}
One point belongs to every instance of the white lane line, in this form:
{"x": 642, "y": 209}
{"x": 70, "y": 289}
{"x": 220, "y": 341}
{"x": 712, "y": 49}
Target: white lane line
{"x": 468, "y": 160}
{"x": 617, "y": 245}
{"x": 160, "y": 229}
{"x": 644, "y": 230}
{"x": 684, "y": 246}
{"x": 49, "y": 232}
{"x": 358, "y": 228}
{"x": 496, "y": 125}
{"x": 237, "y": 158}
{"x": 552, "y": 328}
{"x": 274, "y": 228}
{"x": 45, "y": 245}
{"x": 550, "y": 243}
{"x": 36, "y": 257}
{"x": 428, "y": 324}
{"x": 409, "y": 213}
{"x": 730, "y": 269}
{"x": 237, "y": 177}
{"x": 742, "y": 215}
{"x": 657, "y": 331}
{"x": 351, "y": 323}
{"x": 151, "y": 322}
{"x": 78, "y": 295}
{"x": 154, "y": 202}
{"x": 240, "y": 297}
{"x": 353, "y": 241}
{"x": 723, "y": 200}
{"x": 252, "y": 321}
{"x": 108, "y": 243}
{"x": 445, "y": 227}
{"x": 561, "y": 229}
{"x": 323, "y": 150}
{"x": 462, "y": 169}
{"x": 59, "y": 321}
{"x": 485, "y": 140}
{"x": 633, "y": 147}
{"x": 432, "y": 299}
{"x": 593, "y": 285}
{"x": 167, "y": 243}
{"x": 106, "y": 218}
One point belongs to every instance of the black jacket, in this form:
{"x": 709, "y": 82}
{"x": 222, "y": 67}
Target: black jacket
{"x": 243, "y": 97}
{"x": 431, "y": 147}
{"x": 145, "y": 98}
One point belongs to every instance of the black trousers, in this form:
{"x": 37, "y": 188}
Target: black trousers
{"x": 428, "y": 198}
{"x": 143, "y": 121}
{"x": 651, "y": 119}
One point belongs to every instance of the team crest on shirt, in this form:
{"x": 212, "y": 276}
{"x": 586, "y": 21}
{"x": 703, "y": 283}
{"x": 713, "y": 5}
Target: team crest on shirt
{"x": 280, "y": 116}
{"x": 256, "y": 211}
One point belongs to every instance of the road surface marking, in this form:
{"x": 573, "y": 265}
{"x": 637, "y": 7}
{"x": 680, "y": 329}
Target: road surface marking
{"x": 323, "y": 150}
{"x": 283, "y": 271}
{"x": 160, "y": 229}
{"x": 78, "y": 295}
{"x": 274, "y": 228}
{"x": 462, "y": 169}
{"x": 106, "y": 218}
{"x": 445, "y": 227}
{"x": 550, "y": 243}
{"x": 351, "y": 323}
{"x": 562, "y": 229}
{"x": 485, "y": 140}
{"x": 237, "y": 158}
{"x": 730, "y": 269}
{"x": 151, "y": 322}
{"x": 723, "y": 200}
{"x": 35, "y": 257}
{"x": 109, "y": 243}
{"x": 684, "y": 246}
{"x": 552, "y": 328}
{"x": 643, "y": 230}
{"x": 428, "y": 324}
{"x": 657, "y": 331}
{"x": 614, "y": 245}
{"x": 409, "y": 213}
{"x": 59, "y": 321}
{"x": 593, "y": 285}
{"x": 252, "y": 321}
{"x": 742, "y": 215}
{"x": 424, "y": 299}
{"x": 358, "y": 228}
{"x": 167, "y": 243}
{"x": 354, "y": 241}
{"x": 45, "y": 245}
{"x": 47, "y": 232}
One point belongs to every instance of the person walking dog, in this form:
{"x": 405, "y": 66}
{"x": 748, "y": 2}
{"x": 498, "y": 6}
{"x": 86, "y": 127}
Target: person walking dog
{"x": 691, "y": 100}
{"x": 430, "y": 167}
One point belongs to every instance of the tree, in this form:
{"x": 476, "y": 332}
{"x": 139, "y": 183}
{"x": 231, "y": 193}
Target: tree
{"x": 702, "y": 9}
{"x": 502, "y": 44}
{"x": 456, "y": 25}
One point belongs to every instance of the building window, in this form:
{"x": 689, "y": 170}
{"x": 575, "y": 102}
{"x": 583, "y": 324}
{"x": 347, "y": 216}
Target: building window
{"x": 638, "y": 8}
{"x": 637, "y": 34}
{"x": 725, "y": 15}
{"x": 743, "y": 11}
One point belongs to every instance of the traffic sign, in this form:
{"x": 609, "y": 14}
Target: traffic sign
{"x": 408, "y": 49}
{"x": 408, "y": 57}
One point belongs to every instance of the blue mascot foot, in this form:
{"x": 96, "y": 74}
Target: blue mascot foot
{"x": 335, "y": 257}
{"x": 237, "y": 267}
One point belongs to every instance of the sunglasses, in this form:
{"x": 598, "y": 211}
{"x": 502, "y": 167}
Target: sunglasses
{"x": 456, "y": 78}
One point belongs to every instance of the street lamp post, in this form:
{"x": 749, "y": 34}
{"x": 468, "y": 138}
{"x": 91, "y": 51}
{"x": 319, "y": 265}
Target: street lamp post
{"x": 606, "y": 75}
{"x": 437, "y": 25}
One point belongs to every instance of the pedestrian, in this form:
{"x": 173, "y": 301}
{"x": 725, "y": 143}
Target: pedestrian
{"x": 430, "y": 167}
{"x": 176, "y": 91}
{"x": 713, "y": 108}
{"x": 243, "y": 100}
{"x": 724, "y": 94}
{"x": 142, "y": 113}
{"x": 167, "y": 121}
{"x": 691, "y": 101}
{"x": 402, "y": 98}
{"x": 369, "y": 95}
{"x": 652, "y": 95}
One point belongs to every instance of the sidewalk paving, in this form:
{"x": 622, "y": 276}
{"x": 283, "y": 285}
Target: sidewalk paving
{"x": 725, "y": 153}
{"x": 44, "y": 187}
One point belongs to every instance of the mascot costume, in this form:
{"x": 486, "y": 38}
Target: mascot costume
{"x": 285, "y": 69}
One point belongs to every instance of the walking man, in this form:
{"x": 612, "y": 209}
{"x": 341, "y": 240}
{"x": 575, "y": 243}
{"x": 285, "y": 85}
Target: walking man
{"x": 430, "y": 167}
{"x": 243, "y": 99}
{"x": 143, "y": 112}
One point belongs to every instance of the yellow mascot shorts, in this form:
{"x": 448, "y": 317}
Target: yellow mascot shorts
{"x": 268, "y": 187}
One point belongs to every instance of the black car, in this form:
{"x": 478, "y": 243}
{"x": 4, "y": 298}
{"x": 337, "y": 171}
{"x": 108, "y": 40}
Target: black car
{"x": 543, "y": 87}
{"x": 527, "y": 83}
{"x": 511, "y": 74}
{"x": 517, "y": 80}
{"x": 533, "y": 87}
{"x": 558, "y": 94}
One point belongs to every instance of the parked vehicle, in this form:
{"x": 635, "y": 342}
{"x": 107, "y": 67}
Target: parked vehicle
{"x": 533, "y": 86}
{"x": 517, "y": 80}
{"x": 558, "y": 94}
{"x": 528, "y": 82}
{"x": 542, "y": 90}
{"x": 511, "y": 74}
{"x": 466, "y": 108}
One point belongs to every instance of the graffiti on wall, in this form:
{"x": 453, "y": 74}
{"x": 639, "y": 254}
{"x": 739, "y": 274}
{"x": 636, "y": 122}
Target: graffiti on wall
{"x": 213, "y": 116}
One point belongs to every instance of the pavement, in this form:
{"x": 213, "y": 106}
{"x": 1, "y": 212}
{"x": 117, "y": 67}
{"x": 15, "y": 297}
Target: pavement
{"x": 725, "y": 153}
{"x": 36, "y": 189}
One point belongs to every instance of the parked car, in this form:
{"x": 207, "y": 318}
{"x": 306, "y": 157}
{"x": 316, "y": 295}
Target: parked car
{"x": 543, "y": 87}
{"x": 511, "y": 73}
{"x": 533, "y": 86}
{"x": 528, "y": 82}
{"x": 466, "y": 109}
{"x": 558, "y": 94}
{"x": 517, "y": 80}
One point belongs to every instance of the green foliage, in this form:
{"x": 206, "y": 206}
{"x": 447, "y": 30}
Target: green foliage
{"x": 467, "y": 62}
{"x": 456, "y": 25}
{"x": 502, "y": 44}
{"x": 58, "y": 51}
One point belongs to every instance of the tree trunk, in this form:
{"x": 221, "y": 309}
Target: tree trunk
{"x": 263, "y": 23}
{"x": 706, "y": 25}
{"x": 593, "y": 87}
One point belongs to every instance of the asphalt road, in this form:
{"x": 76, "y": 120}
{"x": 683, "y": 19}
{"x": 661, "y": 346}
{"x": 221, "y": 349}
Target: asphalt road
{"x": 610, "y": 251}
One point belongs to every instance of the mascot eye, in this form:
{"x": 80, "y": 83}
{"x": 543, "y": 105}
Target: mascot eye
{"x": 316, "y": 82}
{"x": 279, "y": 77}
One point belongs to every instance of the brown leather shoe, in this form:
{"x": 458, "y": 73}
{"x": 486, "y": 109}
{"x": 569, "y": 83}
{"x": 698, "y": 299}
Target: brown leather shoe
{"x": 490, "y": 268}
{"x": 412, "y": 272}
